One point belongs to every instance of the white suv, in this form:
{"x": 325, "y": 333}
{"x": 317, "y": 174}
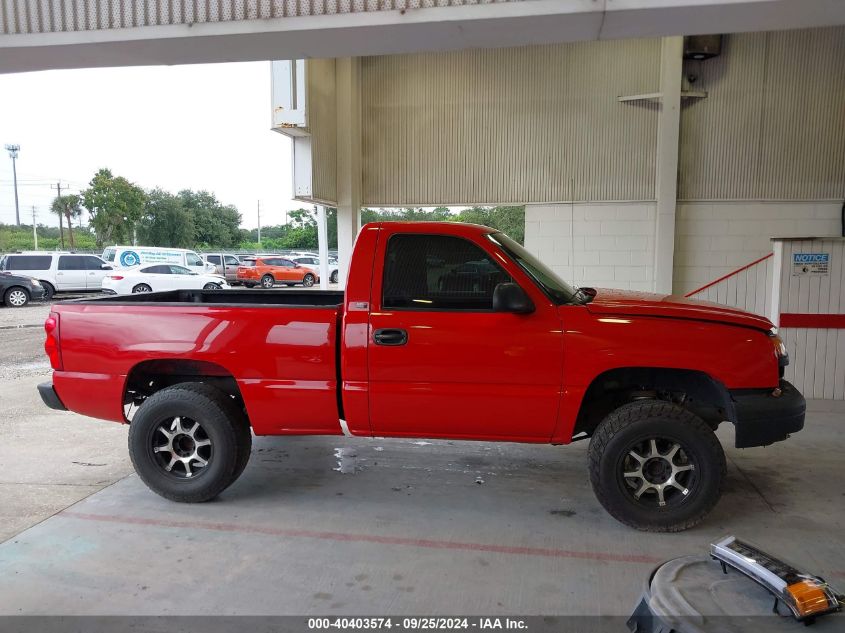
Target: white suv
{"x": 59, "y": 272}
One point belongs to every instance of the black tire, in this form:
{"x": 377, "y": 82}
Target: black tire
{"x": 16, "y": 297}
{"x": 308, "y": 280}
{"x": 267, "y": 281}
{"x": 141, "y": 288}
{"x": 49, "y": 291}
{"x": 221, "y": 423}
{"x": 630, "y": 429}
{"x": 249, "y": 285}
{"x": 333, "y": 277}
{"x": 211, "y": 286}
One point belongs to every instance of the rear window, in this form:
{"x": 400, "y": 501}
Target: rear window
{"x": 214, "y": 259}
{"x": 28, "y": 262}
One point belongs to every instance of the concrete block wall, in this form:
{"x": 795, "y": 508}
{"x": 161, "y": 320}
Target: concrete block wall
{"x": 713, "y": 239}
{"x": 609, "y": 245}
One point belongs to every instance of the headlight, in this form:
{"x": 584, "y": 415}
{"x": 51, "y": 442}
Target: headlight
{"x": 780, "y": 348}
{"x": 36, "y": 283}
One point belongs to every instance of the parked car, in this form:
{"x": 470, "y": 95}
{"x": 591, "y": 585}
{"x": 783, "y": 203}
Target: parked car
{"x": 59, "y": 271}
{"x": 130, "y": 256}
{"x": 532, "y": 359}
{"x": 269, "y": 270}
{"x": 313, "y": 264}
{"x": 225, "y": 265}
{"x": 158, "y": 278}
{"x": 18, "y": 290}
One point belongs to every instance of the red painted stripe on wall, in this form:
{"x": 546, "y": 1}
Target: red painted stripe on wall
{"x": 815, "y": 321}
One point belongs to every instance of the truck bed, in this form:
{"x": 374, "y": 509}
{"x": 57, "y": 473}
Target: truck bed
{"x": 292, "y": 298}
{"x": 277, "y": 347}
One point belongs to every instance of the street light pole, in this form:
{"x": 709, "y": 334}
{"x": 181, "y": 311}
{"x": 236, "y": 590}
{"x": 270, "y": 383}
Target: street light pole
{"x": 13, "y": 153}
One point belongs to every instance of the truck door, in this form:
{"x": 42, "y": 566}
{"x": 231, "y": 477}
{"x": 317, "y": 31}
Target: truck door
{"x": 441, "y": 362}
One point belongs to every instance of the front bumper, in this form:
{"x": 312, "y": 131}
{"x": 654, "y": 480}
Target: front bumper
{"x": 762, "y": 418}
{"x": 50, "y": 397}
{"x": 36, "y": 293}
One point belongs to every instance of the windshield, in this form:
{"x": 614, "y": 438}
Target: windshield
{"x": 556, "y": 288}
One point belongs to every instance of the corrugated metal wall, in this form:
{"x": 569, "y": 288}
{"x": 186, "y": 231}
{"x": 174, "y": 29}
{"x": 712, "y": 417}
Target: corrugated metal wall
{"x": 51, "y": 16}
{"x": 512, "y": 125}
{"x": 773, "y": 124}
{"x": 322, "y": 114}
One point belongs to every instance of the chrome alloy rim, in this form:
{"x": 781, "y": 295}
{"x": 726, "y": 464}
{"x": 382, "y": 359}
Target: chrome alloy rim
{"x": 182, "y": 447}
{"x": 17, "y": 298}
{"x": 658, "y": 471}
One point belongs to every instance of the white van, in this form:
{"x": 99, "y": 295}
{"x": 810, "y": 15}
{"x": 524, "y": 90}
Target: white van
{"x": 129, "y": 256}
{"x": 59, "y": 271}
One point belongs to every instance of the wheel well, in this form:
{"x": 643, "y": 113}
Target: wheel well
{"x": 695, "y": 390}
{"x": 150, "y": 376}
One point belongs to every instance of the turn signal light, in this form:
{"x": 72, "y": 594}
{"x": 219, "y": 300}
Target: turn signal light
{"x": 51, "y": 344}
{"x": 805, "y": 595}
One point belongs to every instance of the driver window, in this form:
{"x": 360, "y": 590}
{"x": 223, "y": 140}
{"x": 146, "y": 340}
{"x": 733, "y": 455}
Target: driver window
{"x": 439, "y": 272}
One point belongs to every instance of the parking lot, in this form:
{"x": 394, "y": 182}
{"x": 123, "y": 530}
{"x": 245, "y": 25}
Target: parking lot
{"x": 338, "y": 525}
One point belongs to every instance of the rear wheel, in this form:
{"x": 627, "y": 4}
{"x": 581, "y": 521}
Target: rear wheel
{"x": 16, "y": 297}
{"x": 656, "y": 466}
{"x": 333, "y": 277}
{"x": 211, "y": 286}
{"x": 189, "y": 442}
{"x": 308, "y": 280}
{"x": 267, "y": 281}
{"x": 141, "y": 288}
{"x": 49, "y": 291}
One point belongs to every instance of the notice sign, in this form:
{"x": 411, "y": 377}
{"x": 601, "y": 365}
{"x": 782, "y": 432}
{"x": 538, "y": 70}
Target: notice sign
{"x": 810, "y": 263}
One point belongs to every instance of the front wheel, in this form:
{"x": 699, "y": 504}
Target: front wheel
{"x": 49, "y": 291}
{"x": 141, "y": 288}
{"x": 656, "y": 466}
{"x": 16, "y": 297}
{"x": 308, "y": 280}
{"x": 267, "y": 281}
{"x": 333, "y": 277}
{"x": 189, "y": 442}
{"x": 211, "y": 286}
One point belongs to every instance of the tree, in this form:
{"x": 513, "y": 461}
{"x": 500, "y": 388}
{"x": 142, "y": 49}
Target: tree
{"x": 509, "y": 220}
{"x": 69, "y": 207}
{"x": 215, "y": 224}
{"x": 115, "y": 205}
{"x": 165, "y": 221}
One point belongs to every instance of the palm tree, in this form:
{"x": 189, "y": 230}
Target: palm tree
{"x": 58, "y": 208}
{"x": 69, "y": 207}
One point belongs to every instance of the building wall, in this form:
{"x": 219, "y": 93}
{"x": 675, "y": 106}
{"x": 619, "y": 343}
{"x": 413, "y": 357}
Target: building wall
{"x": 772, "y": 126}
{"x": 595, "y": 244}
{"x": 714, "y": 238}
{"x": 530, "y": 124}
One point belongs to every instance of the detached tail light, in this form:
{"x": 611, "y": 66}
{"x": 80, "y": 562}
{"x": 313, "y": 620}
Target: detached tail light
{"x": 51, "y": 344}
{"x": 805, "y": 595}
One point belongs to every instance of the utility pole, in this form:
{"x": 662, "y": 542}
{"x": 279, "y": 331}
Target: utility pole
{"x": 34, "y": 232}
{"x": 58, "y": 188}
{"x": 259, "y": 221}
{"x": 13, "y": 154}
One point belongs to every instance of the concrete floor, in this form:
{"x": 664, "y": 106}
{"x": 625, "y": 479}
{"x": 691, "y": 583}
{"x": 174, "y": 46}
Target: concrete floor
{"x": 357, "y": 526}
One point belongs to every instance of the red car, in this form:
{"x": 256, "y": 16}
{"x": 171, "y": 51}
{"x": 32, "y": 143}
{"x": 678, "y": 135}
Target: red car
{"x": 268, "y": 270}
{"x": 444, "y": 331}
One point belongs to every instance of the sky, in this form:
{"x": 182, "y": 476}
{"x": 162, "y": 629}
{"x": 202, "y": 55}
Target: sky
{"x": 175, "y": 127}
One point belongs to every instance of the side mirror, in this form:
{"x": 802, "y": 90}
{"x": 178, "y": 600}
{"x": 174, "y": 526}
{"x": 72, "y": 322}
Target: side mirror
{"x": 106, "y": 267}
{"x": 509, "y": 297}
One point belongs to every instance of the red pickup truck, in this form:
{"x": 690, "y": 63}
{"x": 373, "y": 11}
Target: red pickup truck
{"x": 444, "y": 331}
